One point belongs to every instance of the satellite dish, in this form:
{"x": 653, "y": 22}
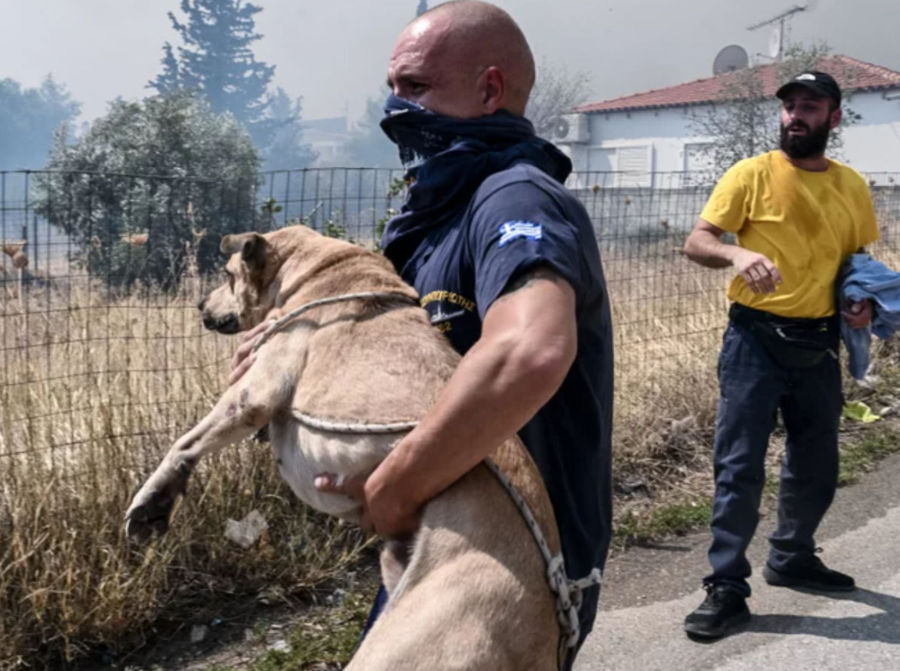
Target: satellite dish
{"x": 732, "y": 57}
{"x": 775, "y": 42}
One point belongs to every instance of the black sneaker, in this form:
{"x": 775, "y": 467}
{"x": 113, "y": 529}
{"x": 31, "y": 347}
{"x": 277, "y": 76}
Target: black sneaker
{"x": 809, "y": 575}
{"x": 721, "y": 610}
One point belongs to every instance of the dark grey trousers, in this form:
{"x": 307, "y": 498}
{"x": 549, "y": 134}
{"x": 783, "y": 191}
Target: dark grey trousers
{"x": 753, "y": 387}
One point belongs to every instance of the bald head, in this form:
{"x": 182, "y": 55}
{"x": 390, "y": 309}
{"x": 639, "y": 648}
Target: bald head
{"x": 489, "y": 36}
{"x": 463, "y": 58}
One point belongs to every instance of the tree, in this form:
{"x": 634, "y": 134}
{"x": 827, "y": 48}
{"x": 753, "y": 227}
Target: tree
{"x": 368, "y": 145}
{"x": 556, "y": 91}
{"x": 169, "y": 79}
{"x": 745, "y": 121}
{"x": 217, "y": 61}
{"x": 286, "y": 149}
{"x": 28, "y": 118}
{"x": 149, "y": 189}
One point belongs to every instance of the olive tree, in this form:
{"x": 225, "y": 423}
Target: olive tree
{"x": 148, "y": 190}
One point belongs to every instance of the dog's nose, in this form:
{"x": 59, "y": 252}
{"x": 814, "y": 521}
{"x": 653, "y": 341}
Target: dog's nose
{"x": 201, "y": 304}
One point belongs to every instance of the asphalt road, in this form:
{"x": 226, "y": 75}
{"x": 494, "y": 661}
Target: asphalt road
{"x": 648, "y": 592}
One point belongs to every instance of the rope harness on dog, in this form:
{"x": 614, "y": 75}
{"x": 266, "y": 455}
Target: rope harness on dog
{"x": 568, "y": 592}
{"x": 345, "y": 427}
{"x": 279, "y": 323}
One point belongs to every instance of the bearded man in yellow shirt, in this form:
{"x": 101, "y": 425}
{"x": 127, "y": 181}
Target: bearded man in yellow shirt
{"x": 796, "y": 215}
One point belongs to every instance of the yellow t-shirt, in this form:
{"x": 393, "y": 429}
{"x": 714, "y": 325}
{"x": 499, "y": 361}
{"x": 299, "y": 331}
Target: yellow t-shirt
{"x": 805, "y": 222}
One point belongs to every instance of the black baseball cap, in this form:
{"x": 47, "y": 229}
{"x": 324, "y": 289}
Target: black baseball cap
{"x": 820, "y": 83}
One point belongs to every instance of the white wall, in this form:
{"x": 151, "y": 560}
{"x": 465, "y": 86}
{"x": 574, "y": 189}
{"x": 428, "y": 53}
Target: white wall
{"x": 663, "y": 133}
{"x": 871, "y": 145}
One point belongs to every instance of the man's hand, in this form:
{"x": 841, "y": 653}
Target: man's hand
{"x": 384, "y": 515}
{"x": 858, "y": 314}
{"x": 757, "y": 270}
{"x": 704, "y": 246}
{"x": 243, "y": 356}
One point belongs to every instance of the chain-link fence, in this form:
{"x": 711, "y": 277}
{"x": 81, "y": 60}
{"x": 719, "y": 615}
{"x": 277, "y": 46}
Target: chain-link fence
{"x": 99, "y": 276}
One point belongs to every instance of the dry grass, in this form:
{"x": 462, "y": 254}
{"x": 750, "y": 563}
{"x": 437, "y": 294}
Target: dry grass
{"x": 668, "y": 316}
{"x": 91, "y": 395}
{"x": 93, "y": 389}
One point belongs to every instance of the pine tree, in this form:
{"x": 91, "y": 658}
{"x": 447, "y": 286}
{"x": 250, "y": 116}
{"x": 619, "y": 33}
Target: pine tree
{"x": 218, "y": 62}
{"x": 168, "y": 80}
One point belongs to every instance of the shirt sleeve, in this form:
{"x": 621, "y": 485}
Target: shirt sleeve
{"x": 868, "y": 222}
{"x": 516, "y": 228}
{"x": 729, "y": 204}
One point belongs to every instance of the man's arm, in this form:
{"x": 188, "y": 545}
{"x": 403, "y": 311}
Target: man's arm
{"x": 705, "y": 247}
{"x": 858, "y": 314}
{"x": 527, "y": 345}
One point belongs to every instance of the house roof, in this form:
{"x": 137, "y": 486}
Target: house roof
{"x": 852, "y": 75}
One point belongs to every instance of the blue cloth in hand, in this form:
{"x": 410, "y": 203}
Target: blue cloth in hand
{"x": 862, "y": 277}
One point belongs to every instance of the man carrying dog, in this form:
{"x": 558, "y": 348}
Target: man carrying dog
{"x": 797, "y": 215}
{"x": 506, "y": 263}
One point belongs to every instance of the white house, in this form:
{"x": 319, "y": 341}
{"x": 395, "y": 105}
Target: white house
{"x": 639, "y": 137}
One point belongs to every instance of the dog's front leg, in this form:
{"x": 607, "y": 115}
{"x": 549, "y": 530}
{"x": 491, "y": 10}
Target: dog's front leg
{"x": 244, "y": 408}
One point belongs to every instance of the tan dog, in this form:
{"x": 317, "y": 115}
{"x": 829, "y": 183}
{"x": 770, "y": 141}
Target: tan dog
{"x": 470, "y": 591}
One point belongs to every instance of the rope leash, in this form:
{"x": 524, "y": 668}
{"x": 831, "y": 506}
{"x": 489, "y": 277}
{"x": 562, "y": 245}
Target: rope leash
{"x": 568, "y": 592}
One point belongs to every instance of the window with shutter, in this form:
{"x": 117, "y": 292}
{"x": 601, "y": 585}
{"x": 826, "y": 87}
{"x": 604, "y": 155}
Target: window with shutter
{"x": 635, "y": 165}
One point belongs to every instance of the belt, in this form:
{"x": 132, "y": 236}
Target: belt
{"x": 793, "y": 342}
{"x": 747, "y": 316}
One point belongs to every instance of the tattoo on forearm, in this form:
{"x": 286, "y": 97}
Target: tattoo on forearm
{"x": 528, "y": 279}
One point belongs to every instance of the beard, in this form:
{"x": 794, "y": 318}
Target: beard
{"x": 804, "y": 146}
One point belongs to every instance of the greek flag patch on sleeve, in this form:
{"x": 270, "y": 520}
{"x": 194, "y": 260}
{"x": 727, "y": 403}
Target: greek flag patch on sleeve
{"x": 519, "y": 229}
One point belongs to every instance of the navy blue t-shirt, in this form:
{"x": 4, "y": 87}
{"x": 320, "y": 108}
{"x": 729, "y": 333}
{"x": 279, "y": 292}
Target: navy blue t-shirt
{"x": 520, "y": 219}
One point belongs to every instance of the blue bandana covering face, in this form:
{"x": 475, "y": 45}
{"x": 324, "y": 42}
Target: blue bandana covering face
{"x": 449, "y": 158}
{"x": 418, "y": 132}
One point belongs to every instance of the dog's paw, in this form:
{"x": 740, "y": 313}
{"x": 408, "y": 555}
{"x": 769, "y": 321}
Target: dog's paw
{"x": 143, "y": 520}
{"x": 151, "y": 508}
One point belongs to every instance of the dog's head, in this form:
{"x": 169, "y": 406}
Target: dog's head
{"x": 243, "y": 300}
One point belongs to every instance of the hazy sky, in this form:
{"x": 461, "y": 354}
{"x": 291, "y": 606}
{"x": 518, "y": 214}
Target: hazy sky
{"x": 334, "y": 52}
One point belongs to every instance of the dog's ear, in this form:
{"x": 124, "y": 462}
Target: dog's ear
{"x": 252, "y": 246}
{"x": 254, "y": 252}
{"x": 232, "y": 244}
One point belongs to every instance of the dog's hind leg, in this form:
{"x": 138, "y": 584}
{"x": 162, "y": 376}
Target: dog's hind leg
{"x": 244, "y": 408}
